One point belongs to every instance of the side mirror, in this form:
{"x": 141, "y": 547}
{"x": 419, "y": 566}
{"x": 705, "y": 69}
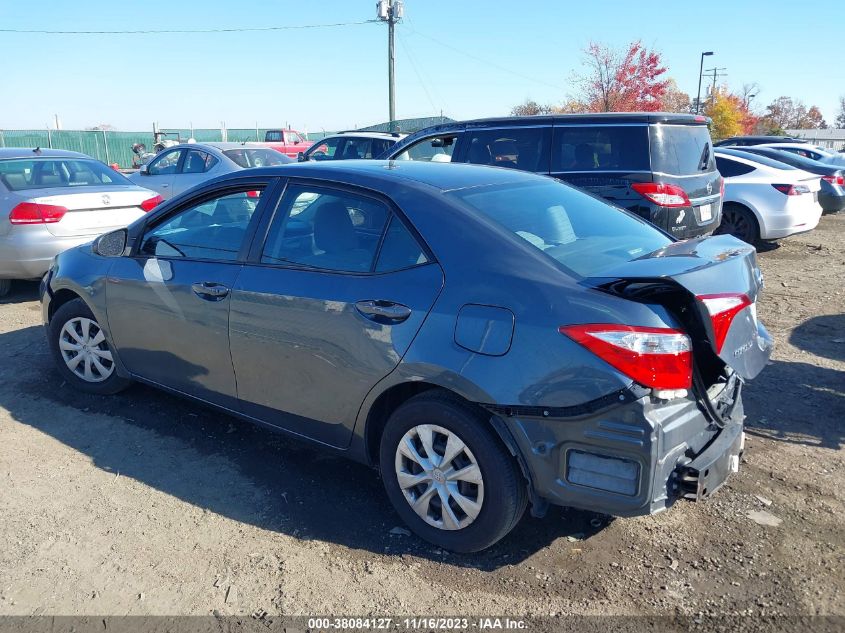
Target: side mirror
{"x": 144, "y": 170}
{"x": 300, "y": 157}
{"x": 112, "y": 244}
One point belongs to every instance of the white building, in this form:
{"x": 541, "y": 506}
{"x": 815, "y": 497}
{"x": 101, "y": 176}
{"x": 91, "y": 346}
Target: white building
{"x": 831, "y": 138}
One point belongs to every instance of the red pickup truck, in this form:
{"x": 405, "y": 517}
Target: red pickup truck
{"x": 288, "y": 142}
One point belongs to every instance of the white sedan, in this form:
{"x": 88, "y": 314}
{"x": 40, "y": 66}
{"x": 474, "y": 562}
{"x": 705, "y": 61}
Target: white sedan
{"x": 766, "y": 199}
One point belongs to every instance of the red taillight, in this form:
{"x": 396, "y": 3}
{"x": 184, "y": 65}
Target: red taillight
{"x": 722, "y": 188}
{"x": 151, "y": 203}
{"x": 834, "y": 180}
{"x": 663, "y": 194}
{"x": 660, "y": 358}
{"x": 722, "y": 309}
{"x": 253, "y": 194}
{"x": 34, "y": 213}
{"x": 792, "y": 190}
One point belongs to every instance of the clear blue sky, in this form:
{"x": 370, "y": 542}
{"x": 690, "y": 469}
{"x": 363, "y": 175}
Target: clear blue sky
{"x": 468, "y": 58}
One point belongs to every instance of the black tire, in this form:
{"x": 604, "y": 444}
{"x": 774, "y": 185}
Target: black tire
{"x": 68, "y": 312}
{"x": 739, "y": 222}
{"x": 5, "y": 287}
{"x": 505, "y": 489}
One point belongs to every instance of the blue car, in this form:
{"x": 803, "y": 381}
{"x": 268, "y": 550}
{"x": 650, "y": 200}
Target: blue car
{"x": 488, "y": 338}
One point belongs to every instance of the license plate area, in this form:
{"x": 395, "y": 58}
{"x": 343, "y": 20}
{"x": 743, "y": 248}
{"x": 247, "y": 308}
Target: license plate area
{"x": 705, "y": 212}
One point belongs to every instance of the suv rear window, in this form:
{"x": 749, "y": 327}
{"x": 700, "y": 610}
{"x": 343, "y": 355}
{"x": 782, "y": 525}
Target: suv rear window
{"x": 600, "y": 148}
{"x": 681, "y": 150}
{"x": 582, "y": 233}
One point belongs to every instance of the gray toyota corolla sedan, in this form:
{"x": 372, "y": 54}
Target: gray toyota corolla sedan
{"x": 486, "y": 337}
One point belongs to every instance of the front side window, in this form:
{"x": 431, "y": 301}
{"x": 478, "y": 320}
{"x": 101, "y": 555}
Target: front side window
{"x": 519, "y": 148}
{"x": 435, "y": 149}
{"x": 600, "y": 148}
{"x": 22, "y": 174}
{"x": 326, "y": 229}
{"x": 165, "y": 164}
{"x": 212, "y": 229}
{"x": 325, "y": 149}
{"x": 582, "y": 233}
{"x": 355, "y": 148}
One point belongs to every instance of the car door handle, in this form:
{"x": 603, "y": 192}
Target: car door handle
{"x": 383, "y": 311}
{"x": 210, "y": 290}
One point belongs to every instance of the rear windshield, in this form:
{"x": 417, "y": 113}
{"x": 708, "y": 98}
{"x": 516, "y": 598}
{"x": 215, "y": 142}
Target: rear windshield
{"x": 580, "y": 232}
{"x": 783, "y": 157}
{"x": 681, "y": 150}
{"x": 757, "y": 158}
{"x": 20, "y": 174}
{"x": 600, "y": 148}
{"x": 246, "y": 157}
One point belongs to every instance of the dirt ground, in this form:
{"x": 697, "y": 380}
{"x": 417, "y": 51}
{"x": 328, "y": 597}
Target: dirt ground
{"x": 146, "y": 504}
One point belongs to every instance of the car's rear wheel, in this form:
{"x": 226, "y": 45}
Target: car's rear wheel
{"x": 448, "y": 475}
{"x": 81, "y": 351}
{"x": 739, "y": 222}
{"x": 5, "y": 287}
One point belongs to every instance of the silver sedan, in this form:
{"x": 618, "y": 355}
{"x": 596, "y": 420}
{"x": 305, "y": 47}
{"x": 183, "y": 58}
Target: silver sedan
{"x": 184, "y": 166}
{"x": 52, "y": 200}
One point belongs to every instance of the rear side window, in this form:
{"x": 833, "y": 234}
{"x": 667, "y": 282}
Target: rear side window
{"x": 729, "y": 168}
{"x": 582, "y": 233}
{"x": 600, "y": 148}
{"x": 326, "y": 229}
{"x": 681, "y": 150}
{"x": 252, "y": 157}
{"x": 400, "y": 249}
{"x": 519, "y": 148}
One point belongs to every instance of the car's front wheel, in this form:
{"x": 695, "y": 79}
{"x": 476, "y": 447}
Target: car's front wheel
{"x": 448, "y": 474}
{"x": 81, "y": 351}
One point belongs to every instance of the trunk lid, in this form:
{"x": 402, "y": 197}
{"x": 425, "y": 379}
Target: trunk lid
{"x": 678, "y": 275}
{"x": 92, "y": 210}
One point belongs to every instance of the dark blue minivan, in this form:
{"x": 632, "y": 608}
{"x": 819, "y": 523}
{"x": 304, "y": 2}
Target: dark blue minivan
{"x": 659, "y": 166}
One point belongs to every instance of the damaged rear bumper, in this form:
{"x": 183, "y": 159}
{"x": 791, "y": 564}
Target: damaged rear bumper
{"x": 636, "y": 457}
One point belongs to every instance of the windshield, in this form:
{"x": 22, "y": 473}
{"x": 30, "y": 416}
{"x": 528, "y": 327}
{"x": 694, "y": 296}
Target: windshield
{"x": 681, "y": 150}
{"x": 247, "y": 157}
{"x": 20, "y": 174}
{"x": 583, "y": 233}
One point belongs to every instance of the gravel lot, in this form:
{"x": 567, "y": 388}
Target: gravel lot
{"x": 145, "y": 504}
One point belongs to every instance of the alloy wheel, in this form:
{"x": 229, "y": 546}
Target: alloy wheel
{"x": 737, "y": 224}
{"x": 439, "y": 477}
{"x": 84, "y": 350}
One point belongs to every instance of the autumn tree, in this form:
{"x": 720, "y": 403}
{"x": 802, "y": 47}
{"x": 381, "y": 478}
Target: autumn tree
{"x": 726, "y": 115}
{"x": 784, "y": 113}
{"x": 621, "y": 80}
{"x": 674, "y": 99}
{"x": 530, "y": 108}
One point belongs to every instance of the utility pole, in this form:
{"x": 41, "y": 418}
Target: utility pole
{"x": 716, "y": 74}
{"x": 390, "y": 11}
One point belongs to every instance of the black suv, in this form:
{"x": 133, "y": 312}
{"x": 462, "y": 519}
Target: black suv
{"x": 658, "y": 166}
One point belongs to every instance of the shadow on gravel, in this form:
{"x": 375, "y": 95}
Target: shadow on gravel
{"x": 236, "y": 469}
{"x": 822, "y": 335}
{"x": 21, "y": 292}
{"x": 798, "y": 403}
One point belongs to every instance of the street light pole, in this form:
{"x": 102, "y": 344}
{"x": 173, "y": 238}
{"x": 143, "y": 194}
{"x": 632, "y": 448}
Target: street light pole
{"x": 700, "y": 73}
{"x": 390, "y": 11}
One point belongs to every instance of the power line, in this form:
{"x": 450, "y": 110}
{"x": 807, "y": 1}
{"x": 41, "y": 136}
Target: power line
{"x": 407, "y": 50}
{"x": 484, "y": 61}
{"x": 188, "y": 31}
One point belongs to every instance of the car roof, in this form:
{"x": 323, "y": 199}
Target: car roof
{"x": 30, "y": 152}
{"x": 586, "y": 117}
{"x": 220, "y": 145}
{"x": 367, "y": 134}
{"x": 377, "y": 174}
